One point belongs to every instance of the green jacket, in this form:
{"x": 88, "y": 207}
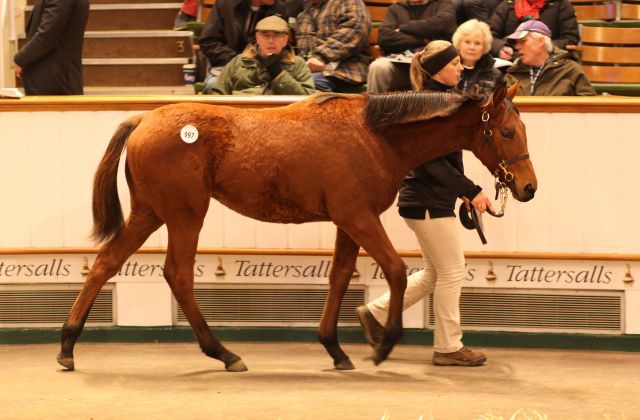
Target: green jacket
{"x": 245, "y": 75}
{"x": 561, "y": 76}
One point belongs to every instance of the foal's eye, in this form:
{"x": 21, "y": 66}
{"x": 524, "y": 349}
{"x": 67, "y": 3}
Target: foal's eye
{"x": 507, "y": 134}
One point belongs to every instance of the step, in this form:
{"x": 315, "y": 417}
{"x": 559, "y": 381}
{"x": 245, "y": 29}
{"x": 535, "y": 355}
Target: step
{"x": 133, "y": 71}
{"x": 134, "y": 44}
{"x": 111, "y": 17}
{"x": 139, "y": 90}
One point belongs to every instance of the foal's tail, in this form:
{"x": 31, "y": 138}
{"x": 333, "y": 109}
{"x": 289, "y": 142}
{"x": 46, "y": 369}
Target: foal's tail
{"x": 107, "y": 212}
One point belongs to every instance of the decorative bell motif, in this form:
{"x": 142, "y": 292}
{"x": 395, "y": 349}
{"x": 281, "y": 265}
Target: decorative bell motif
{"x": 628, "y": 278}
{"x": 491, "y": 276}
{"x": 85, "y": 267}
{"x": 355, "y": 273}
{"x": 219, "y": 270}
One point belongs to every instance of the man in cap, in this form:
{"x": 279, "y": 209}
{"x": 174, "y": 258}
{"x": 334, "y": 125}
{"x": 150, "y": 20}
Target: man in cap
{"x": 267, "y": 66}
{"x": 229, "y": 28}
{"x": 542, "y": 68}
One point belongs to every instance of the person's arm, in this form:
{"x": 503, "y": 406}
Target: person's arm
{"x": 224, "y": 82}
{"x": 391, "y": 39}
{"x": 568, "y": 33}
{"x": 441, "y": 24}
{"x": 212, "y": 41}
{"x": 352, "y": 32}
{"x": 447, "y": 174}
{"x": 55, "y": 17}
{"x": 497, "y": 22}
{"x": 297, "y": 82}
{"x": 582, "y": 86}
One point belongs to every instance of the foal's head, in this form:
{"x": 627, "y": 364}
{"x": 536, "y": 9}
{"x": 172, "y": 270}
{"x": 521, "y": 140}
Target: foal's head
{"x": 501, "y": 143}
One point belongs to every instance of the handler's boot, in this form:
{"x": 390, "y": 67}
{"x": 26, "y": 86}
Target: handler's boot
{"x": 373, "y": 331}
{"x": 462, "y": 357}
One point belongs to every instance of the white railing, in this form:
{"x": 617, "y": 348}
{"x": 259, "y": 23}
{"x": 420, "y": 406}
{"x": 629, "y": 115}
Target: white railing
{"x": 8, "y": 46}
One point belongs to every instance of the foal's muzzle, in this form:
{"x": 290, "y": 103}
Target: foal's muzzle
{"x": 529, "y": 192}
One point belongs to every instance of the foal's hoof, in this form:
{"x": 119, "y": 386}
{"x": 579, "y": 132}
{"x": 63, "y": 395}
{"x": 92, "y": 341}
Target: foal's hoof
{"x": 380, "y": 354}
{"x": 236, "y": 366}
{"x": 344, "y": 365}
{"x": 66, "y": 361}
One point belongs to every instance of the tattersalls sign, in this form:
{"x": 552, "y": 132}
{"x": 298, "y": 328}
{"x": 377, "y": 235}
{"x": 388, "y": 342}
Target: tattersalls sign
{"x": 292, "y": 269}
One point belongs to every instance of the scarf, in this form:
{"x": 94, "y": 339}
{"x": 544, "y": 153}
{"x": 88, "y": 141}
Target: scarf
{"x": 528, "y": 9}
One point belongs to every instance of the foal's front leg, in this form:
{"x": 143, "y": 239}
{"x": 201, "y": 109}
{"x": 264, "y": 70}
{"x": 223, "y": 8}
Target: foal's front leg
{"x": 344, "y": 261}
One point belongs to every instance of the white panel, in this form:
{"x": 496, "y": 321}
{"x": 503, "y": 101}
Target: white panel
{"x": 271, "y": 235}
{"x": 45, "y": 178}
{"x": 626, "y": 199}
{"x": 239, "y": 231}
{"x": 143, "y": 304}
{"x": 212, "y": 233}
{"x": 328, "y": 235}
{"x": 532, "y": 227}
{"x": 399, "y": 233}
{"x": 632, "y": 303}
{"x": 306, "y": 236}
{"x": 15, "y": 225}
{"x": 597, "y": 175}
{"x": 77, "y": 177}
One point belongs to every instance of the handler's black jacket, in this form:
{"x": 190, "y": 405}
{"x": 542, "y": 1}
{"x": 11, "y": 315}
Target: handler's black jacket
{"x": 434, "y": 186}
{"x": 51, "y": 59}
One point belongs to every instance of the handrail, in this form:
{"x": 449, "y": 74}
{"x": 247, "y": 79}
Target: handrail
{"x": 548, "y": 104}
{"x": 566, "y": 256}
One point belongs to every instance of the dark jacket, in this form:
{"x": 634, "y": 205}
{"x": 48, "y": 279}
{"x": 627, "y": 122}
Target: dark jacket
{"x": 435, "y": 186}
{"x": 560, "y": 76}
{"x": 51, "y": 58}
{"x": 417, "y": 25}
{"x": 224, "y": 35}
{"x": 558, "y": 15}
{"x": 246, "y": 75}
{"x": 482, "y": 75}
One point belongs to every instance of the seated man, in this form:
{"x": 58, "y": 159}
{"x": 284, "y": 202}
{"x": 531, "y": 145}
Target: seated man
{"x": 332, "y": 36}
{"x": 408, "y": 25}
{"x": 558, "y": 15}
{"x": 229, "y": 28}
{"x": 267, "y": 66}
{"x": 544, "y": 69}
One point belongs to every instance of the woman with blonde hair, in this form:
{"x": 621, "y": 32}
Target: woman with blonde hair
{"x": 473, "y": 39}
{"x": 426, "y": 202}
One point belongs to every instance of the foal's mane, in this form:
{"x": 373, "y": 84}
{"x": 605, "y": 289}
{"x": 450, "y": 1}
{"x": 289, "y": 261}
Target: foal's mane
{"x": 383, "y": 110}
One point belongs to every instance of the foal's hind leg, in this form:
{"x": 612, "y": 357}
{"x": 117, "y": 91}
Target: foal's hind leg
{"x": 369, "y": 233}
{"x": 178, "y": 271}
{"x": 140, "y": 224}
{"x": 344, "y": 260}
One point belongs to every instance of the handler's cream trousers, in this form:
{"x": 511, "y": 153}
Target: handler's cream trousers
{"x": 443, "y": 274}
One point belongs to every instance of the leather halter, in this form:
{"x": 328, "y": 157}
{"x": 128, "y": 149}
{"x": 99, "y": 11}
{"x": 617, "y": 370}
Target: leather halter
{"x": 504, "y": 163}
{"x": 501, "y": 174}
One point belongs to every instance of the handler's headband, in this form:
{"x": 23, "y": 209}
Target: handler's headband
{"x": 437, "y": 62}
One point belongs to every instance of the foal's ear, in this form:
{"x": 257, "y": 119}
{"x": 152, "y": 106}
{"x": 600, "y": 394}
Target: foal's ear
{"x": 500, "y": 93}
{"x": 511, "y": 92}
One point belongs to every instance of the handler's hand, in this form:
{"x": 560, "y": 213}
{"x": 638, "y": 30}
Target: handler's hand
{"x": 482, "y": 202}
{"x": 19, "y": 71}
{"x": 315, "y": 65}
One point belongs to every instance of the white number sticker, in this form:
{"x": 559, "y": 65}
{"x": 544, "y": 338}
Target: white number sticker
{"x": 189, "y": 134}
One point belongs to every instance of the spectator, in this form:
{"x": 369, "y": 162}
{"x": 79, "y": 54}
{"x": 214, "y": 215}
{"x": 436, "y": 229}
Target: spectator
{"x": 474, "y": 9}
{"x": 331, "y": 36}
{"x": 266, "y": 67}
{"x": 558, "y": 15}
{"x": 542, "y": 68}
{"x": 50, "y": 62}
{"x": 188, "y": 13}
{"x": 408, "y": 25}
{"x": 426, "y": 203}
{"x": 229, "y": 29}
{"x": 473, "y": 40}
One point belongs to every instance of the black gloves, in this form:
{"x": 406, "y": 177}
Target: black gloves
{"x": 272, "y": 64}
